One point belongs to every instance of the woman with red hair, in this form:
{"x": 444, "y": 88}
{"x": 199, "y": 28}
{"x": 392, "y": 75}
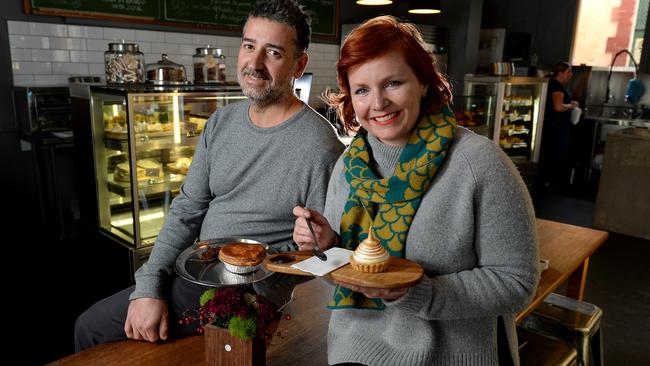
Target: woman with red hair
{"x": 431, "y": 192}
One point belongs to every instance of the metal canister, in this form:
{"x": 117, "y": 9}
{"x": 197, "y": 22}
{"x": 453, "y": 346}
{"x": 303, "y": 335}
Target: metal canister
{"x": 165, "y": 71}
{"x": 124, "y": 63}
{"x": 209, "y": 65}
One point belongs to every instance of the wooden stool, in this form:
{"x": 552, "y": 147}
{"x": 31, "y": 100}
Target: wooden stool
{"x": 573, "y": 321}
{"x": 538, "y": 350}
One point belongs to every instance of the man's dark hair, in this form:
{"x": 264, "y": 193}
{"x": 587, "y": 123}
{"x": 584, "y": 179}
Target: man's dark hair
{"x": 287, "y": 12}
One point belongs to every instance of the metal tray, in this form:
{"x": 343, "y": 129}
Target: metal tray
{"x": 191, "y": 267}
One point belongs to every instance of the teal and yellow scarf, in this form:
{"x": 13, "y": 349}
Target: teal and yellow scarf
{"x": 389, "y": 204}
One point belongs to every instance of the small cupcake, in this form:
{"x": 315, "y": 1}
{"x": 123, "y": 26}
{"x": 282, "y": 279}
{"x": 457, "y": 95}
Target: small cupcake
{"x": 370, "y": 256}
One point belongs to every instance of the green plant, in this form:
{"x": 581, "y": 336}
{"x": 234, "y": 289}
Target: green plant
{"x": 244, "y": 314}
{"x": 242, "y": 328}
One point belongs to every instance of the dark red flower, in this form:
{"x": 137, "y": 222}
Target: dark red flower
{"x": 228, "y": 302}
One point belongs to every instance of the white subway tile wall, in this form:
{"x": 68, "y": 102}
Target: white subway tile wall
{"x": 44, "y": 54}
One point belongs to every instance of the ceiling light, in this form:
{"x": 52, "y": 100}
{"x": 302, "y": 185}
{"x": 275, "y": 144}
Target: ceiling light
{"x": 374, "y": 2}
{"x": 424, "y": 7}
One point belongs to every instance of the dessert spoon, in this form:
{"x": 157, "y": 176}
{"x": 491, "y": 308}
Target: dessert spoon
{"x": 317, "y": 252}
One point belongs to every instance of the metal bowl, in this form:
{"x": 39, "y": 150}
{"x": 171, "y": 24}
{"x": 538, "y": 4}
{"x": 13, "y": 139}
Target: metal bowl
{"x": 241, "y": 269}
{"x": 229, "y": 278}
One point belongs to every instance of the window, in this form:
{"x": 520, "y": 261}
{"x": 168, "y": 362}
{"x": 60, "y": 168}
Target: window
{"x": 605, "y": 27}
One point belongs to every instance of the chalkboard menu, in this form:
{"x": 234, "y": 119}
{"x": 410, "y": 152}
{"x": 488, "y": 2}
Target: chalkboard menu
{"x": 224, "y": 14}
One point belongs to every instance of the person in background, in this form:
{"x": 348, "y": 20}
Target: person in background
{"x": 556, "y": 162}
{"x": 433, "y": 193}
{"x": 271, "y": 141}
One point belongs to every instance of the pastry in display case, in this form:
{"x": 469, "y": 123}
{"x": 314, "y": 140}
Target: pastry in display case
{"x": 475, "y": 112}
{"x": 519, "y": 112}
{"x": 144, "y": 139}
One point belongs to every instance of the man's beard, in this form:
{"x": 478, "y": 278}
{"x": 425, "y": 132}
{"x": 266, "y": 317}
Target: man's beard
{"x": 262, "y": 97}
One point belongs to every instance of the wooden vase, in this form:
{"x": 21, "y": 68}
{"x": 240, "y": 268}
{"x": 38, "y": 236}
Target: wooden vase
{"x": 223, "y": 349}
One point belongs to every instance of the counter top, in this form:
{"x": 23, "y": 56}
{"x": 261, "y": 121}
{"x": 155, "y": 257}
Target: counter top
{"x": 183, "y": 88}
{"x": 620, "y": 121}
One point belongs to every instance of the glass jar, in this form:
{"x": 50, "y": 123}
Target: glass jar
{"x": 209, "y": 65}
{"x": 165, "y": 71}
{"x": 124, "y": 63}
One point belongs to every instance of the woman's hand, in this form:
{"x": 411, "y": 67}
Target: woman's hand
{"x": 375, "y": 293}
{"x": 147, "y": 319}
{"x": 301, "y": 234}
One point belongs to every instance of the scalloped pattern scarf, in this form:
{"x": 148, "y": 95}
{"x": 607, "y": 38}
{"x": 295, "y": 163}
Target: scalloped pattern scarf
{"x": 389, "y": 204}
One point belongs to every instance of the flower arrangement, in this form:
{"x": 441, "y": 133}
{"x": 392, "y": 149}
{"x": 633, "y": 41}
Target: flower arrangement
{"x": 244, "y": 314}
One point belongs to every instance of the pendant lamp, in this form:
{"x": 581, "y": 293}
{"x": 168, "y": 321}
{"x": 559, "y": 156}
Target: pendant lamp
{"x": 374, "y": 2}
{"x": 424, "y": 6}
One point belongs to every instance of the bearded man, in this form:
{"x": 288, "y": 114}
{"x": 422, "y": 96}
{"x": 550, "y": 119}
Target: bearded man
{"x": 271, "y": 142}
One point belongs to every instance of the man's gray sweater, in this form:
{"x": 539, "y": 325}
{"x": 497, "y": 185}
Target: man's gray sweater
{"x": 244, "y": 182}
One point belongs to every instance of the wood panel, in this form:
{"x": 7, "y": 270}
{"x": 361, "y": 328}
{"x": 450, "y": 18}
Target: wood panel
{"x": 400, "y": 273}
{"x": 568, "y": 249}
{"x": 188, "y": 351}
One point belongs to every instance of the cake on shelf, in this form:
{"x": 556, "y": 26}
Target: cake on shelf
{"x": 145, "y": 169}
{"x": 182, "y": 165}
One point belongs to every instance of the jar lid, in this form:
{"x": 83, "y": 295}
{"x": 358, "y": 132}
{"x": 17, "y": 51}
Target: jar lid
{"x": 122, "y": 46}
{"x": 204, "y": 51}
{"x": 165, "y": 62}
{"x": 165, "y": 71}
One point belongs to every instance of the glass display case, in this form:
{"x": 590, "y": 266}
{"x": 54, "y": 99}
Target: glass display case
{"x": 519, "y": 112}
{"x": 476, "y": 112}
{"x": 42, "y": 110}
{"x": 144, "y": 139}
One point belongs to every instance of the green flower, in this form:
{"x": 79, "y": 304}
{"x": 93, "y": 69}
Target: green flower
{"x": 242, "y": 328}
{"x": 207, "y": 296}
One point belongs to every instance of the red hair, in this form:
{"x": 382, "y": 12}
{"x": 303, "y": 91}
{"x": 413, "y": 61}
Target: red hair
{"x": 374, "y": 38}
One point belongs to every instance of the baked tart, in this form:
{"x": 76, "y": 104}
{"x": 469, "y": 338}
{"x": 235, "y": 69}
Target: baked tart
{"x": 242, "y": 258}
{"x": 370, "y": 256}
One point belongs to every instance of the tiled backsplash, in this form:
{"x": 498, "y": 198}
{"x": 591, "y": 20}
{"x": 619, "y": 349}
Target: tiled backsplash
{"x": 46, "y": 54}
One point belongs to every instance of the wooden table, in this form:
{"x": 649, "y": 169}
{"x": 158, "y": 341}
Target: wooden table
{"x": 568, "y": 248}
{"x": 303, "y": 338}
{"x": 296, "y": 340}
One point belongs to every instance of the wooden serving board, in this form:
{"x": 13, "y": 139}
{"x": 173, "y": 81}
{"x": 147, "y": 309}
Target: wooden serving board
{"x": 400, "y": 273}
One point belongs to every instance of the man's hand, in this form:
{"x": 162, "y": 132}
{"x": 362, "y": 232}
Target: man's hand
{"x": 147, "y": 319}
{"x": 302, "y": 235}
